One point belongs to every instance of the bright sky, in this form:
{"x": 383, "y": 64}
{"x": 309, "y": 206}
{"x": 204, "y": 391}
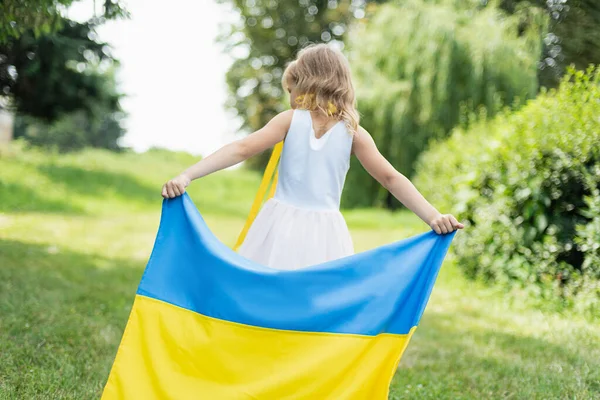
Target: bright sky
{"x": 172, "y": 72}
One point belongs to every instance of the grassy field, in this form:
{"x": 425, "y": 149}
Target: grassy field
{"x": 76, "y": 232}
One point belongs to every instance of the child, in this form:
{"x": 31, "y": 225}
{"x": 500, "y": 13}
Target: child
{"x": 302, "y": 225}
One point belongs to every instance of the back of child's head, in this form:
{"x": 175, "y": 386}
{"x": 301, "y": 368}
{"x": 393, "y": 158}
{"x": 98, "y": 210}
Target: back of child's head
{"x": 321, "y": 76}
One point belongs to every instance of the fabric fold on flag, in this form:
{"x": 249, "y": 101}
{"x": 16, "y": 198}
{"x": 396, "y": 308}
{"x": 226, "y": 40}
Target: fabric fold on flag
{"x": 208, "y": 323}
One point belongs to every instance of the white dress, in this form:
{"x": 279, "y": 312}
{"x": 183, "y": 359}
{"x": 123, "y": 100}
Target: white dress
{"x": 302, "y": 224}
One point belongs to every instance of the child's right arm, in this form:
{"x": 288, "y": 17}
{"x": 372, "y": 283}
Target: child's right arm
{"x": 231, "y": 154}
{"x": 400, "y": 186}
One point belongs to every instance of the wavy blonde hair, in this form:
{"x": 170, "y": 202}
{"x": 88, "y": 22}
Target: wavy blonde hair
{"x": 322, "y": 76}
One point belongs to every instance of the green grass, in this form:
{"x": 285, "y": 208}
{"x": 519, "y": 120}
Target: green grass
{"x": 75, "y": 234}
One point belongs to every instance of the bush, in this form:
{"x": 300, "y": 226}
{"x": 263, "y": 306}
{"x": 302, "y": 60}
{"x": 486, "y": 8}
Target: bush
{"x": 528, "y": 186}
{"x": 72, "y": 132}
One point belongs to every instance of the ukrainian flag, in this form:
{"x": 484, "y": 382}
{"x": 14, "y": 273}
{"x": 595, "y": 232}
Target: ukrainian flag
{"x": 209, "y": 324}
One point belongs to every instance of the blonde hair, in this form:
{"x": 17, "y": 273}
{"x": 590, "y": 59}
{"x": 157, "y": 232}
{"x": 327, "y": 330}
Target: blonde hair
{"x": 322, "y": 76}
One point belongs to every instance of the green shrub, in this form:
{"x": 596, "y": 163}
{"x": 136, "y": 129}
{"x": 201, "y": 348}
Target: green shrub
{"x": 528, "y": 186}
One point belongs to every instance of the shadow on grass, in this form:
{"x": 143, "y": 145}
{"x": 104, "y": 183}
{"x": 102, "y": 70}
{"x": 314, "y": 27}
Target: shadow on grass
{"x": 95, "y": 182}
{"x": 17, "y": 198}
{"x": 452, "y": 358}
{"x": 62, "y": 314}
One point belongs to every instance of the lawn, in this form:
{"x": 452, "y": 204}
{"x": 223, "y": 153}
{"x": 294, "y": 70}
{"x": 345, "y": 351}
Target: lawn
{"x": 75, "y": 234}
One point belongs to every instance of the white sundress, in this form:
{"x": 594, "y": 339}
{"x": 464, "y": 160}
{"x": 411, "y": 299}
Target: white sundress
{"x": 302, "y": 224}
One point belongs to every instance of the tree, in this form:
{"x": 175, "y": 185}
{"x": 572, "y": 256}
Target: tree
{"x": 51, "y": 66}
{"x": 99, "y": 126}
{"x": 573, "y": 35}
{"x": 268, "y": 36}
{"x": 421, "y": 65}
{"x": 42, "y": 16}
{"x": 59, "y": 79}
{"x": 56, "y": 73}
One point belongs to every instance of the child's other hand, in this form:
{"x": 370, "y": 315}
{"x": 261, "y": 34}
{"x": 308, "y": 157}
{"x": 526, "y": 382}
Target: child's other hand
{"x": 445, "y": 223}
{"x": 175, "y": 187}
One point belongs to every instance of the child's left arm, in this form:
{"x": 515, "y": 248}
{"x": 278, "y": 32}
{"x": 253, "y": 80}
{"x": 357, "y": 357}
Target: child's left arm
{"x": 401, "y": 187}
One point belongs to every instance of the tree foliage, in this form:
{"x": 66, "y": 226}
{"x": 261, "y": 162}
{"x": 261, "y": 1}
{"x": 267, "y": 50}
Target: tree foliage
{"x": 420, "y": 65}
{"x": 56, "y": 73}
{"x": 98, "y": 126}
{"x": 59, "y": 79}
{"x": 573, "y": 35}
{"x": 42, "y": 16}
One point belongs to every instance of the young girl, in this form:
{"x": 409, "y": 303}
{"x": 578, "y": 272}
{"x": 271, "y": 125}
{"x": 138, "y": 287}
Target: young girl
{"x": 302, "y": 225}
